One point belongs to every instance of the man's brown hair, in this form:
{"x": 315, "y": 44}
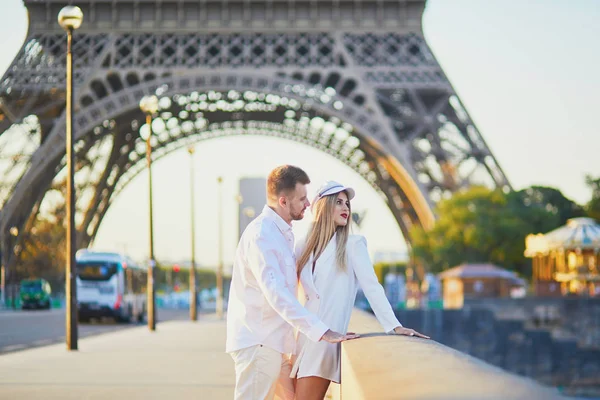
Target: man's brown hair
{"x": 284, "y": 179}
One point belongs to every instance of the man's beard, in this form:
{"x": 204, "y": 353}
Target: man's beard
{"x": 297, "y": 216}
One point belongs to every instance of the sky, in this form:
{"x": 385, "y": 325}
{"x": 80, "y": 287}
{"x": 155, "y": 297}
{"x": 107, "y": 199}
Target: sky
{"x": 526, "y": 71}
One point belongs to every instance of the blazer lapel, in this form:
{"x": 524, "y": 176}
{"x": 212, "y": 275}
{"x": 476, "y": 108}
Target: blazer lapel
{"x": 328, "y": 252}
{"x": 307, "y": 275}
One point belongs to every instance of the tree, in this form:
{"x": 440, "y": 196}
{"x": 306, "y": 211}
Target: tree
{"x": 593, "y": 207}
{"x": 543, "y": 208}
{"x": 43, "y": 254}
{"x": 476, "y": 225}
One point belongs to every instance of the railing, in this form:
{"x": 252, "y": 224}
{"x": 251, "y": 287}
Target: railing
{"x": 380, "y": 366}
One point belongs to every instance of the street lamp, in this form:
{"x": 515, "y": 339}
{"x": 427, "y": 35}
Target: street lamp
{"x": 149, "y": 105}
{"x": 249, "y": 212}
{"x": 70, "y": 18}
{"x": 219, "y": 304}
{"x": 14, "y": 232}
{"x": 193, "y": 292}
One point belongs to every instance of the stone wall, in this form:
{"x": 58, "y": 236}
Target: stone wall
{"x": 554, "y": 341}
{"x": 380, "y": 366}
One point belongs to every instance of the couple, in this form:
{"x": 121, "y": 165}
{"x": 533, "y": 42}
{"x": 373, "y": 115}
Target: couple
{"x": 264, "y": 311}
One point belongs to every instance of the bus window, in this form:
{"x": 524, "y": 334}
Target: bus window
{"x": 96, "y": 271}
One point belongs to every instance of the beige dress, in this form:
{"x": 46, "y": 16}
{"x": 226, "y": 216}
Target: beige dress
{"x": 330, "y": 294}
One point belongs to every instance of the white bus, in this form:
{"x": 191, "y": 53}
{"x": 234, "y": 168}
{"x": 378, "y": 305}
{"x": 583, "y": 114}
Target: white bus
{"x": 110, "y": 285}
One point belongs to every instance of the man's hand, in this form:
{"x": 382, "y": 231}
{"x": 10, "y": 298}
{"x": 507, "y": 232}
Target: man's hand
{"x": 408, "y": 332}
{"x": 334, "y": 337}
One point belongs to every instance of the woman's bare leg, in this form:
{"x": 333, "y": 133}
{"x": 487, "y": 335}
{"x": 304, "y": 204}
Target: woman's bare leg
{"x": 311, "y": 388}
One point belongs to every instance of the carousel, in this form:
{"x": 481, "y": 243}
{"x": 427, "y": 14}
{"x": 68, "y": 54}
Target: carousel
{"x": 566, "y": 261}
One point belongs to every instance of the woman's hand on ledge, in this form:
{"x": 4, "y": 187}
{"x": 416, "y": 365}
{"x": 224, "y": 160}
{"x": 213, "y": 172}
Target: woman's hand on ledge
{"x": 399, "y": 330}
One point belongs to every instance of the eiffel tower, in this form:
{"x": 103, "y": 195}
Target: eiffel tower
{"x": 352, "y": 78}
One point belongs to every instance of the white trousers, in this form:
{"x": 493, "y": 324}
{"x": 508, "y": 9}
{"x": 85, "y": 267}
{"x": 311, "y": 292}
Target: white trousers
{"x": 262, "y": 373}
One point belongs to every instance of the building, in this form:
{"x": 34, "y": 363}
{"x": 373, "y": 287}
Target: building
{"x": 390, "y": 257}
{"x": 566, "y": 261}
{"x": 252, "y": 198}
{"x": 477, "y": 281}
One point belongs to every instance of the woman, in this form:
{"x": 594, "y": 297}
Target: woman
{"x": 331, "y": 265}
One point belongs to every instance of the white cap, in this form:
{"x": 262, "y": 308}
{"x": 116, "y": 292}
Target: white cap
{"x": 333, "y": 187}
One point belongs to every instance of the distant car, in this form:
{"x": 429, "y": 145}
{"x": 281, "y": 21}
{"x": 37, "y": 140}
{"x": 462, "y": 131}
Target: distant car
{"x": 35, "y": 293}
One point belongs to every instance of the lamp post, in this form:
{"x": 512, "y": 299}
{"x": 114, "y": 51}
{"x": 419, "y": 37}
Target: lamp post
{"x": 11, "y": 283}
{"x": 149, "y": 105}
{"x": 70, "y": 18}
{"x": 240, "y": 199}
{"x": 2, "y": 286}
{"x": 219, "y": 302}
{"x": 193, "y": 292}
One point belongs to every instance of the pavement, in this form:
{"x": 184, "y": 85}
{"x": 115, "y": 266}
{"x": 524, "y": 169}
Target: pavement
{"x": 33, "y": 328}
{"x": 181, "y": 360}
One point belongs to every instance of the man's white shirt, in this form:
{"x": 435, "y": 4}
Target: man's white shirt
{"x": 262, "y": 308}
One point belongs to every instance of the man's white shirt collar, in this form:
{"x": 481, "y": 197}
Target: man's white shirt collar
{"x": 283, "y": 226}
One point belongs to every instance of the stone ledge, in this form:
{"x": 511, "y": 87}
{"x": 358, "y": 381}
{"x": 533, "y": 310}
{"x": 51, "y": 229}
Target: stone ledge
{"x": 379, "y": 366}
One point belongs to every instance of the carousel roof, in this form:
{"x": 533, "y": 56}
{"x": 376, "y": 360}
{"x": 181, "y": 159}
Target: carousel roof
{"x": 578, "y": 233}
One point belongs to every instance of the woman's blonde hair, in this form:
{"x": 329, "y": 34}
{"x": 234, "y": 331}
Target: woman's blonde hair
{"x": 322, "y": 230}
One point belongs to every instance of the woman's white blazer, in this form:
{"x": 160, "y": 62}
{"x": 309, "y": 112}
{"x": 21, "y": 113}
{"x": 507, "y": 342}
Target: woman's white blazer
{"x": 330, "y": 294}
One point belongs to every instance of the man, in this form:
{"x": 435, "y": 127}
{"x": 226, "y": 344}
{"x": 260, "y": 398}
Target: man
{"x": 263, "y": 310}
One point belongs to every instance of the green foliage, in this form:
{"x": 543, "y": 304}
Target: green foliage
{"x": 43, "y": 251}
{"x": 543, "y": 208}
{"x": 474, "y": 226}
{"x": 482, "y": 225}
{"x": 593, "y": 206}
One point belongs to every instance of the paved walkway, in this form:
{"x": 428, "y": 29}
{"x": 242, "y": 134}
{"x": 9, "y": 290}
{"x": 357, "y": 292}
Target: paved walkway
{"x": 181, "y": 360}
